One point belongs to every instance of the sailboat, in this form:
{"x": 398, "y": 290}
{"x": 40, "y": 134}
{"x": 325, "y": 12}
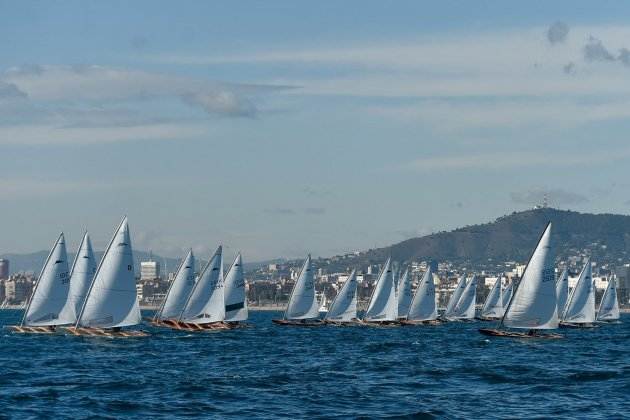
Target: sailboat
{"x": 81, "y": 277}
{"x": 609, "y": 306}
{"x": 533, "y": 303}
{"x": 112, "y": 301}
{"x": 383, "y": 306}
{"x": 177, "y": 294}
{"x": 423, "y": 308}
{"x": 580, "y": 309}
{"x": 404, "y": 295}
{"x": 235, "y": 299}
{"x": 464, "y": 310}
{"x": 42, "y": 314}
{"x": 492, "y": 308}
{"x": 507, "y": 294}
{"x": 562, "y": 290}
{"x": 205, "y": 307}
{"x": 452, "y": 302}
{"x": 323, "y": 306}
{"x": 302, "y": 309}
{"x": 343, "y": 309}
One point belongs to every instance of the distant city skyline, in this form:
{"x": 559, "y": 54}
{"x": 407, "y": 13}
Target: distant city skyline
{"x": 284, "y": 128}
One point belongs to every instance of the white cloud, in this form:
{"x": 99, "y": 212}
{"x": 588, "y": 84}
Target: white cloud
{"x": 20, "y": 187}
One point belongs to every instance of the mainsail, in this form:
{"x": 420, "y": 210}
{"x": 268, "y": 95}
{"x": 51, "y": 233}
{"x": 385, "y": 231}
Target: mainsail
{"x": 465, "y": 307}
{"x": 457, "y": 293}
{"x": 562, "y": 290}
{"x": 235, "y": 299}
{"x": 533, "y": 303}
{"x": 303, "y": 302}
{"x": 404, "y": 294}
{"x": 493, "y": 306}
{"x": 112, "y": 299}
{"x": 206, "y": 301}
{"x": 51, "y": 289}
{"x": 179, "y": 289}
{"x": 423, "y": 307}
{"x": 609, "y": 306}
{"x": 344, "y": 306}
{"x": 581, "y": 305}
{"x": 81, "y": 277}
{"x": 383, "y": 305}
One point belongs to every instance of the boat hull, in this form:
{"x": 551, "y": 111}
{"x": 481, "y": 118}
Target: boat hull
{"x": 19, "y": 329}
{"x": 576, "y": 325}
{"x": 381, "y": 323}
{"x": 407, "y": 322}
{"x": 353, "y": 322}
{"x": 105, "y": 332}
{"x": 298, "y": 323}
{"x": 191, "y": 327}
{"x": 512, "y": 334}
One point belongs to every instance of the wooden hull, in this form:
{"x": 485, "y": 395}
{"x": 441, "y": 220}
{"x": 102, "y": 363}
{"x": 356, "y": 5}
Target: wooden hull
{"x": 32, "y": 330}
{"x": 298, "y": 323}
{"x": 574, "y": 325}
{"x": 191, "y": 327}
{"x": 487, "y": 319}
{"x": 105, "y": 332}
{"x": 381, "y": 323}
{"x": 350, "y": 323}
{"x": 512, "y": 334}
{"x": 406, "y": 322}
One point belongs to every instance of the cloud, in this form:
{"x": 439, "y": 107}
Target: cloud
{"x": 222, "y": 103}
{"x": 624, "y": 56}
{"x": 10, "y": 90}
{"x": 22, "y": 187}
{"x": 557, "y": 33}
{"x": 314, "y": 210}
{"x": 280, "y": 211}
{"x": 595, "y": 50}
{"x": 569, "y": 68}
{"x": 555, "y": 196}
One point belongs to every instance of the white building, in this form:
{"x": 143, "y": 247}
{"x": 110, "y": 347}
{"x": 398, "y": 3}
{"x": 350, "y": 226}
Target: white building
{"x": 149, "y": 270}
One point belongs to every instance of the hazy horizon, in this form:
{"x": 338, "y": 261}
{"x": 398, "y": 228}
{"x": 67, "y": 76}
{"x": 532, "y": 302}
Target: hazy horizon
{"x": 284, "y": 128}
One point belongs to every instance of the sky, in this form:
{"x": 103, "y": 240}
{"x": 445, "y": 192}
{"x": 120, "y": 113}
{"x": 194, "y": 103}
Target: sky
{"x": 280, "y": 128}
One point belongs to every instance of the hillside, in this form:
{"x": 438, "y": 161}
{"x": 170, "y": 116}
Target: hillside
{"x": 512, "y": 237}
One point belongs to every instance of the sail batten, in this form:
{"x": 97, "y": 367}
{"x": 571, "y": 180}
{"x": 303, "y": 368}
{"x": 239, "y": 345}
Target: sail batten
{"x": 112, "y": 298}
{"x": 423, "y": 306}
{"x": 344, "y": 305}
{"x": 303, "y": 301}
{"x": 533, "y": 302}
{"x": 383, "y": 304}
{"x": 51, "y": 290}
{"x": 235, "y": 299}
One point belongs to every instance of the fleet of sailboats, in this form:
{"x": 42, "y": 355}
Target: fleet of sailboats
{"x": 101, "y": 300}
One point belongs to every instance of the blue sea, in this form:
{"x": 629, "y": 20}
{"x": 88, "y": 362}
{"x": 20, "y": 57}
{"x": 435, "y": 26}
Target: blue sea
{"x": 269, "y": 371}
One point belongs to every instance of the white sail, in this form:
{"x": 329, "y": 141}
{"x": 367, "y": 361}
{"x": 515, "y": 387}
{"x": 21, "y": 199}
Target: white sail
{"x": 493, "y": 306}
{"x": 112, "y": 299}
{"x": 303, "y": 302}
{"x": 423, "y": 306}
{"x": 507, "y": 295}
{"x": 206, "y": 302}
{"x": 404, "y": 294}
{"x": 344, "y": 306}
{"x": 562, "y": 290}
{"x": 179, "y": 290}
{"x": 383, "y": 305}
{"x": 81, "y": 276}
{"x": 581, "y": 305}
{"x": 465, "y": 307}
{"x": 609, "y": 306}
{"x": 235, "y": 299}
{"x": 533, "y": 303}
{"x": 51, "y": 290}
{"x": 457, "y": 293}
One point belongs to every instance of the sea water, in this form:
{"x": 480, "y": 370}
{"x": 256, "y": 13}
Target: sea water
{"x": 270, "y": 371}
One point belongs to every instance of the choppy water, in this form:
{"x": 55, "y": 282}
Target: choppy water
{"x": 270, "y": 371}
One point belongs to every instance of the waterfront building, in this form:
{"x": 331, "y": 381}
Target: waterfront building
{"x": 149, "y": 270}
{"x": 4, "y": 268}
